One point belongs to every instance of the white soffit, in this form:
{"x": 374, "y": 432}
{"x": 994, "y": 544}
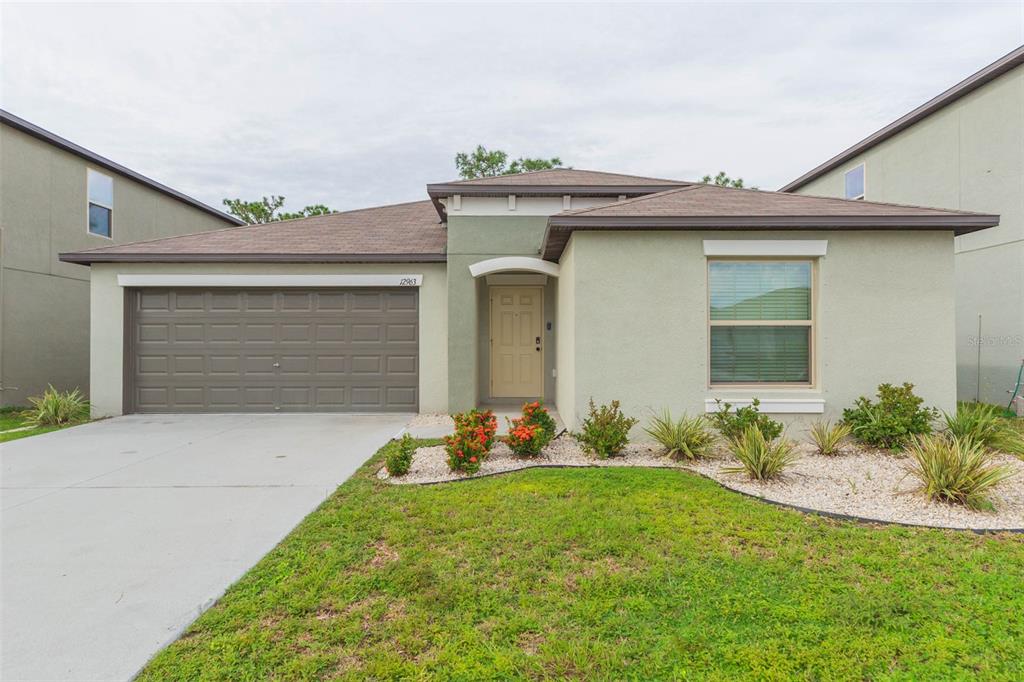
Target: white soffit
{"x": 269, "y": 280}
{"x": 765, "y": 247}
{"x": 513, "y": 264}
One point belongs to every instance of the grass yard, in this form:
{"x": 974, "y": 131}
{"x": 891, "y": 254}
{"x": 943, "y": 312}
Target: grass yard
{"x": 15, "y": 417}
{"x": 606, "y": 574}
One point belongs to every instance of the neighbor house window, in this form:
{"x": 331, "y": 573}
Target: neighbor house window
{"x": 762, "y": 317}
{"x": 855, "y": 182}
{"x": 101, "y": 203}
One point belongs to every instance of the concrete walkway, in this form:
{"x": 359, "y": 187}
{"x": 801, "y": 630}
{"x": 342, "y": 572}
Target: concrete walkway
{"x": 115, "y": 535}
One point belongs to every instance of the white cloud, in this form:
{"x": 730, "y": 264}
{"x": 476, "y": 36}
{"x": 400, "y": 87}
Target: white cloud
{"x": 355, "y": 105}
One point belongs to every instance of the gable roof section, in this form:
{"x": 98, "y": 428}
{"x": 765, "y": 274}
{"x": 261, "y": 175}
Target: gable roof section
{"x": 400, "y": 233}
{"x": 552, "y": 182}
{"x": 700, "y": 207}
{"x": 95, "y": 159}
{"x": 970, "y": 84}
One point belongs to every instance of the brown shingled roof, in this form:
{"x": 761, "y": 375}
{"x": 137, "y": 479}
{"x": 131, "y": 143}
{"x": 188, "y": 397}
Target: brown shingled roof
{"x": 400, "y": 233}
{"x": 552, "y": 182}
{"x": 714, "y": 207}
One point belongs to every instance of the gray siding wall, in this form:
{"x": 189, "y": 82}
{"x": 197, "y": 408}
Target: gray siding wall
{"x": 970, "y": 156}
{"x": 44, "y": 304}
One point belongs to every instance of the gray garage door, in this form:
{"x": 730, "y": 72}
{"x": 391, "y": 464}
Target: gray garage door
{"x": 261, "y": 350}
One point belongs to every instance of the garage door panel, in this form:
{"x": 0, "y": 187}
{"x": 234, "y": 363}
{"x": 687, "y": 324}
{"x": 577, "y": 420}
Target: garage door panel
{"x": 262, "y": 350}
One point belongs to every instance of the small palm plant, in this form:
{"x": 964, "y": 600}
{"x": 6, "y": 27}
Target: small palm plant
{"x": 761, "y": 458}
{"x": 984, "y": 424}
{"x": 683, "y": 438}
{"x": 55, "y": 408}
{"x": 955, "y": 470}
{"x": 828, "y": 437}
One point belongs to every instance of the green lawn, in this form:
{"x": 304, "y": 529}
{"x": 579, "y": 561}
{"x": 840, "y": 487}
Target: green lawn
{"x": 606, "y": 574}
{"x": 15, "y": 417}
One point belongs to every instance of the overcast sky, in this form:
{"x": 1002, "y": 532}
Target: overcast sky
{"x": 358, "y": 105}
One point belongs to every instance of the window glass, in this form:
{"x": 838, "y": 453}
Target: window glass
{"x": 101, "y": 189}
{"x": 746, "y": 297}
{"x": 750, "y": 355}
{"x": 855, "y": 183}
{"x": 101, "y": 202}
{"x": 99, "y": 220}
{"x": 752, "y": 290}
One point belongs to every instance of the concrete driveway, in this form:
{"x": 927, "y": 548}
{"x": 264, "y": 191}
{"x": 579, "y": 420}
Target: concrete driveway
{"x": 117, "y": 534}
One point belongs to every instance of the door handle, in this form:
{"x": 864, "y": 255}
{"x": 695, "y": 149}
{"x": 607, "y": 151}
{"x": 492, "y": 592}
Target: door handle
{"x": 537, "y": 342}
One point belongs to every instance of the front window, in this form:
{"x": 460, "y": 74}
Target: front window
{"x": 101, "y": 203}
{"x": 855, "y": 182}
{"x": 761, "y": 322}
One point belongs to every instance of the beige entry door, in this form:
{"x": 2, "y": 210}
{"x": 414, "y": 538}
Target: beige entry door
{"x": 517, "y": 351}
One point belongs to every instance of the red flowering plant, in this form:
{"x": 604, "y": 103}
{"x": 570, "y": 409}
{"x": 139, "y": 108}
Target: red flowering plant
{"x": 527, "y": 435}
{"x": 469, "y": 445}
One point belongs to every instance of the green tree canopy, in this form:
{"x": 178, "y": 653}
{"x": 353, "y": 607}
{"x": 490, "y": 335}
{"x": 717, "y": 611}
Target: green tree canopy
{"x": 485, "y": 163}
{"x": 268, "y": 210}
{"x": 723, "y": 180}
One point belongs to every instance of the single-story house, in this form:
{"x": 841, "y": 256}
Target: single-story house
{"x": 564, "y": 285}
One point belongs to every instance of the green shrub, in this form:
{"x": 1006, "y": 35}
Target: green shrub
{"x": 683, "y": 438}
{"x": 984, "y": 424}
{"x": 535, "y": 413}
{"x": 955, "y": 470}
{"x": 399, "y": 457}
{"x": 828, "y": 437}
{"x": 528, "y": 434}
{"x": 471, "y": 443}
{"x": 605, "y": 430}
{"x": 733, "y": 423}
{"x": 889, "y": 423}
{"x": 761, "y": 458}
{"x": 54, "y": 408}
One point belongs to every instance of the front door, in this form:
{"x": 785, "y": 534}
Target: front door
{"x": 517, "y": 352}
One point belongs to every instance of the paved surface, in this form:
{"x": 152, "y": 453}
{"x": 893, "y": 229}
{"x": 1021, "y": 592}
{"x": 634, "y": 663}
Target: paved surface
{"x": 117, "y": 534}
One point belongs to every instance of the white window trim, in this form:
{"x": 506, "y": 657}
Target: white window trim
{"x": 799, "y": 248}
{"x": 864, "y": 189}
{"x": 258, "y": 281}
{"x": 88, "y": 201}
{"x": 772, "y": 405}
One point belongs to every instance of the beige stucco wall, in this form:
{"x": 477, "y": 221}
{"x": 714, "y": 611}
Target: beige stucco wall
{"x": 638, "y": 301}
{"x": 969, "y": 155}
{"x": 565, "y": 341}
{"x": 44, "y": 303}
{"x": 107, "y": 303}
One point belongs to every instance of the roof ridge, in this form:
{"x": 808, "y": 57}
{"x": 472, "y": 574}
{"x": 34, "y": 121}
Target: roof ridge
{"x": 643, "y": 197}
{"x": 852, "y": 201}
{"x": 560, "y": 168}
{"x": 101, "y": 249}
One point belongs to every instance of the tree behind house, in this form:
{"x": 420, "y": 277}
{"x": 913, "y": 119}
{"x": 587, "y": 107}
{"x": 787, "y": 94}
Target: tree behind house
{"x": 723, "y": 180}
{"x": 268, "y": 210}
{"x": 486, "y": 163}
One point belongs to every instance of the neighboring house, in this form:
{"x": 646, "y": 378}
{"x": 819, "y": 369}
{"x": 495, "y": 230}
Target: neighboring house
{"x": 963, "y": 149}
{"x": 564, "y": 285}
{"x": 56, "y": 196}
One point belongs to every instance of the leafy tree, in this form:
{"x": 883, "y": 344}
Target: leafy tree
{"x": 723, "y": 180}
{"x": 268, "y": 210}
{"x": 485, "y": 163}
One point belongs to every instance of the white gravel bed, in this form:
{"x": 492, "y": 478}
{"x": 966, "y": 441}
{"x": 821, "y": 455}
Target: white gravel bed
{"x": 863, "y": 483}
{"x": 430, "y": 465}
{"x": 873, "y": 485}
